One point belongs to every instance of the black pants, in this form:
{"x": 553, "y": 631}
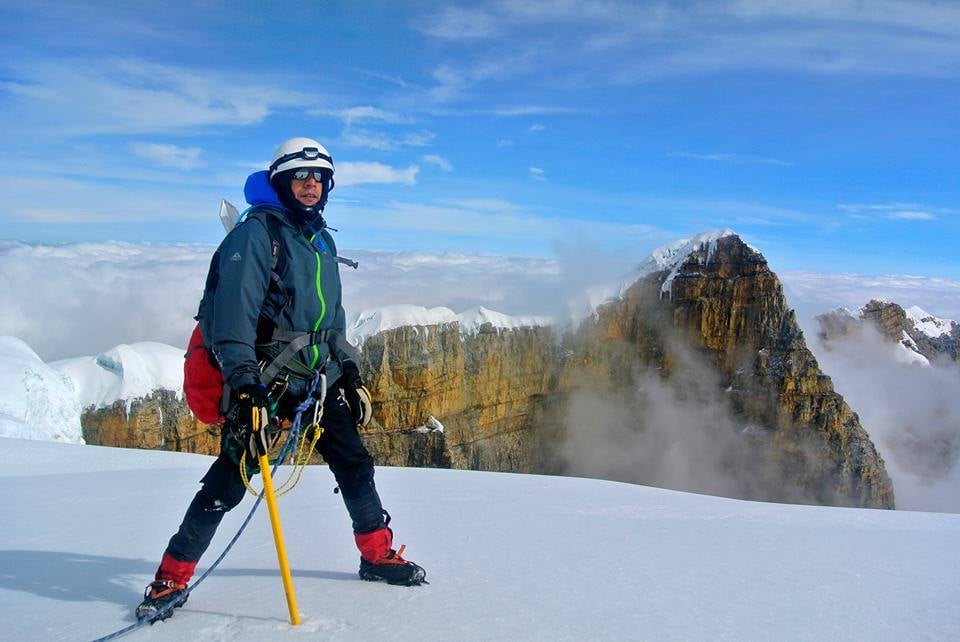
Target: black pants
{"x": 340, "y": 446}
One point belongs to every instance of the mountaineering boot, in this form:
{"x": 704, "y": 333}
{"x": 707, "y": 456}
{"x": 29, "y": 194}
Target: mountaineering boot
{"x": 393, "y": 569}
{"x": 168, "y": 585}
{"x": 158, "y": 594}
{"x": 380, "y": 563}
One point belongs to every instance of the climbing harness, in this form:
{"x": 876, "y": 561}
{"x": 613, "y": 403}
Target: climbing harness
{"x": 293, "y": 438}
{"x": 306, "y": 440}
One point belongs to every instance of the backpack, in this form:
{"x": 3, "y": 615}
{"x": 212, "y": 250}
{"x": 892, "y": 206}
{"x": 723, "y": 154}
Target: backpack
{"x": 202, "y": 381}
{"x": 203, "y": 384}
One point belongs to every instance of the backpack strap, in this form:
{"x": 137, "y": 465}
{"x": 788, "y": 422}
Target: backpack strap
{"x": 278, "y": 260}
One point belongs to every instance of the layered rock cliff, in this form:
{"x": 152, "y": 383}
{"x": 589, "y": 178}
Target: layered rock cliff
{"x": 159, "y": 421}
{"x": 703, "y": 325}
{"x": 487, "y": 388}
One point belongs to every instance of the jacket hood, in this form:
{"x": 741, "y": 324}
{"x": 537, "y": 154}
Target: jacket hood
{"x": 259, "y": 191}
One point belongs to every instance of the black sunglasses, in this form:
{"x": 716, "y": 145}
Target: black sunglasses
{"x": 302, "y": 174}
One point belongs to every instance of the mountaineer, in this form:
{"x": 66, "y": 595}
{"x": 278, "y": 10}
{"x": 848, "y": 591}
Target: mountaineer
{"x": 273, "y": 297}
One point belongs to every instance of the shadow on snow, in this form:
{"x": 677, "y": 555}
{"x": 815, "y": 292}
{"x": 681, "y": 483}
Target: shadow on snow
{"x": 78, "y": 577}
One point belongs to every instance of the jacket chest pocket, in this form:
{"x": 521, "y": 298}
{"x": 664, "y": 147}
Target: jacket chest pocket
{"x": 312, "y": 286}
{"x": 330, "y": 271}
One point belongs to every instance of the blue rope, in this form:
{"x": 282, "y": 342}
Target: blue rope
{"x": 292, "y": 440}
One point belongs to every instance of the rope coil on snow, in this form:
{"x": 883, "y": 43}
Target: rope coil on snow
{"x": 291, "y": 442}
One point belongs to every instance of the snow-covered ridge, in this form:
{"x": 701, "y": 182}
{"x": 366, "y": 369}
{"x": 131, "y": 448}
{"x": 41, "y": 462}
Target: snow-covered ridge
{"x": 125, "y": 372}
{"x": 909, "y": 352}
{"x": 474, "y": 318}
{"x": 380, "y": 319}
{"x": 36, "y": 401}
{"x": 45, "y": 401}
{"x": 673, "y": 255}
{"x": 928, "y": 324}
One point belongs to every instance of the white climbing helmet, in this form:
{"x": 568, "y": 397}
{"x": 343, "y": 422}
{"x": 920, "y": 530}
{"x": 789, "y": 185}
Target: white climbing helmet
{"x": 300, "y": 152}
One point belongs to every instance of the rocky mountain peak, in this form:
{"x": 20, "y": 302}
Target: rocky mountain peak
{"x": 925, "y": 336}
{"x": 725, "y": 325}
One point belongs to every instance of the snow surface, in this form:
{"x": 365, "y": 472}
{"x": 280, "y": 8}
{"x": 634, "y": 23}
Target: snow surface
{"x": 380, "y": 319}
{"x": 36, "y": 401}
{"x": 125, "y": 372}
{"x": 375, "y": 320}
{"x": 909, "y": 352}
{"x": 472, "y": 320}
{"x": 509, "y": 557}
{"x": 674, "y": 255}
{"x": 927, "y": 323}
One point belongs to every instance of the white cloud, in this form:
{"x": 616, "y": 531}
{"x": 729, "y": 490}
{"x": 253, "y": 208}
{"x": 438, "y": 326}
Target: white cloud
{"x": 504, "y": 142}
{"x": 168, "y": 155}
{"x": 489, "y": 205}
{"x": 912, "y": 215}
{"x": 358, "y": 172}
{"x": 924, "y": 17}
{"x": 459, "y": 23}
{"x": 362, "y": 113}
{"x": 537, "y": 174}
{"x": 739, "y": 159}
{"x": 96, "y": 296}
{"x": 420, "y": 138}
{"x": 453, "y": 79}
{"x": 638, "y": 42}
{"x": 130, "y": 96}
{"x": 537, "y": 127}
{"x": 79, "y": 201}
{"x": 439, "y": 161}
{"x": 815, "y": 292}
{"x": 531, "y": 110}
{"x": 490, "y": 222}
{"x": 393, "y": 80}
{"x": 368, "y": 139}
{"x": 895, "y": 211}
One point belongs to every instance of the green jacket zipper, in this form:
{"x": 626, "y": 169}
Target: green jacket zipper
{"x": 323, "y": 301}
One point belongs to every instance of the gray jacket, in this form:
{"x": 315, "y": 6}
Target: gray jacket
{"x": 241, "y": 307}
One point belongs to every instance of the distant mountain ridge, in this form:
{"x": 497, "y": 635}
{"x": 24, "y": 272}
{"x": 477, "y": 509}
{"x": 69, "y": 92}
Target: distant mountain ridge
{"x": 703, "y": 321}
{"x": 923, "y": 336}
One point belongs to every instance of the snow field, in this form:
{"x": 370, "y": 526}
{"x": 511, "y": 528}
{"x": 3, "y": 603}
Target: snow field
{"x": 509, "y": 557}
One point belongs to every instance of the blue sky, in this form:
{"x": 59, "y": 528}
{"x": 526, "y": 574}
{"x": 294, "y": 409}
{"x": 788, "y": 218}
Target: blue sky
{"x": 825, "y": 133}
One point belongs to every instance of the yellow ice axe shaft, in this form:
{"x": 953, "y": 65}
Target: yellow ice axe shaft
{"x": 275, "y": 521}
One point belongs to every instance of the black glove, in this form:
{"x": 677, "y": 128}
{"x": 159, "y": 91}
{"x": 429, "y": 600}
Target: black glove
{"x": 252, "y": 402}
{"x": 356, "y": 394}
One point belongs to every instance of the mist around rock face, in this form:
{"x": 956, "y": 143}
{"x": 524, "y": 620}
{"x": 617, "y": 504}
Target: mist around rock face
{"x": 679, "y": 432}
{"x": 910, "y": 409}
{"x": 698, "y": 378}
